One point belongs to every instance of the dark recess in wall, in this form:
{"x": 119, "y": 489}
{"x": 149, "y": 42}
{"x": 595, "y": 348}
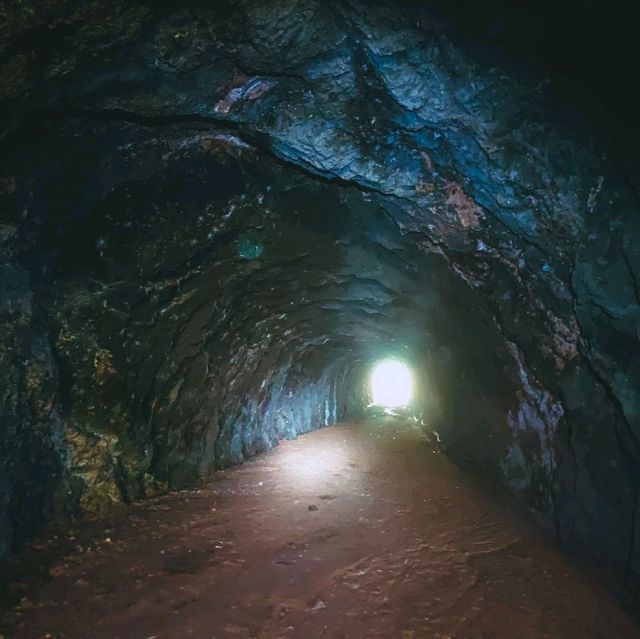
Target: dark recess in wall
{"x": 588, "y": 49}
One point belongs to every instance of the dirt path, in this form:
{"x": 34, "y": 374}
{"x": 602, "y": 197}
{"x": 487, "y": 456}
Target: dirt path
{"x": 350, "y": 532}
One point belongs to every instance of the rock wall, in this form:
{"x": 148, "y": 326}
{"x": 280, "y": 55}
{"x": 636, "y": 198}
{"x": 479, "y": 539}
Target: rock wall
{"x": 30, "y": 427}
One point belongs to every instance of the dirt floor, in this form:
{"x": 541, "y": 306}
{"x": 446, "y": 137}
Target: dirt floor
{"x": 353, "y": 532}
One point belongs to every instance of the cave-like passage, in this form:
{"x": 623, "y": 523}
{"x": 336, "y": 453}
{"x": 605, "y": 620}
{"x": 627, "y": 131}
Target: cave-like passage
{"x": 359, "y": 530}
{"x": 215, "y": 218}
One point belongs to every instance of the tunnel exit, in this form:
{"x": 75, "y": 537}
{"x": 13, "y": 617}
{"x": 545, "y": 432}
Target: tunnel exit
{"x": 391, "y": 384}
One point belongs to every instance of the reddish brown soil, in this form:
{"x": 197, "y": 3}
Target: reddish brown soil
{"x": 351, "y": 532}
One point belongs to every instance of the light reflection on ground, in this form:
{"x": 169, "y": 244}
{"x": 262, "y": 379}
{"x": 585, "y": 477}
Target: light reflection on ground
{"x": 307, "y": 467}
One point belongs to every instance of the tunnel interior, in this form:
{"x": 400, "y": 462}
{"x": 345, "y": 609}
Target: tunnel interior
{"x": 216, "y": 218}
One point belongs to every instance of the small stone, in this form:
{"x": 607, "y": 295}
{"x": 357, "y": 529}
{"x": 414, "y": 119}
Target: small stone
{"x": 313, "y": 507}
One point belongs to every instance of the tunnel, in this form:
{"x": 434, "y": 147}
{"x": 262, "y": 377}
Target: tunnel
{"x": 319, "y": 319}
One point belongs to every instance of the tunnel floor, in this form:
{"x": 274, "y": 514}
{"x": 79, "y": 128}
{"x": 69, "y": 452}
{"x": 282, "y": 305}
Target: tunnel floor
{"x": 351, "y": 532}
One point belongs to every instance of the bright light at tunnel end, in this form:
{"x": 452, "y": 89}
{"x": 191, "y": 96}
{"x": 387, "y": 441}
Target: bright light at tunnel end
{"x": 391, "y": 384}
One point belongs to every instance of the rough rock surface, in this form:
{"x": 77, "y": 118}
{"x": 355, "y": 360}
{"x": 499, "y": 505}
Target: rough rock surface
{"x": 214, "y": 217}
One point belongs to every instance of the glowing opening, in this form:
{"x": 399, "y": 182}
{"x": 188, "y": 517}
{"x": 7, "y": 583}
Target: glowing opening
{"x": 391, "y": 384}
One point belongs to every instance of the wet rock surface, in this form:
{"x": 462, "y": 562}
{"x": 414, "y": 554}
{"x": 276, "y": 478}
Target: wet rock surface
{"x": 213, "y": 217}
{"x": 402, "y": 545}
